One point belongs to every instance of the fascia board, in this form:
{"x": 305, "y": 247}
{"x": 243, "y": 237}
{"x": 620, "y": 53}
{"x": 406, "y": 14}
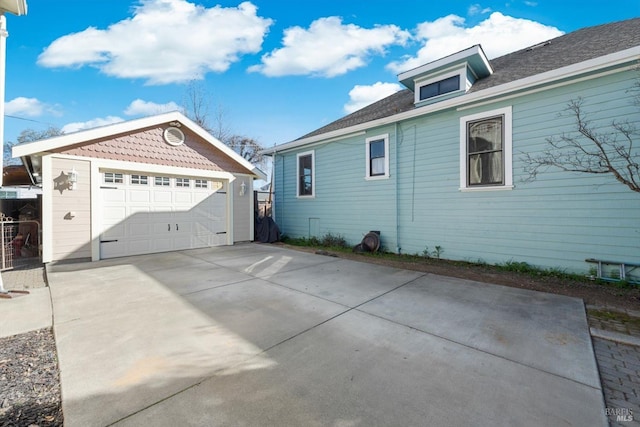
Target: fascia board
{"x": 591, "y": 65}
{"x": 47, "y": 145}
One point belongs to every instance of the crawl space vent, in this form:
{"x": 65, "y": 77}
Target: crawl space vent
{"x": 173, "y": 136}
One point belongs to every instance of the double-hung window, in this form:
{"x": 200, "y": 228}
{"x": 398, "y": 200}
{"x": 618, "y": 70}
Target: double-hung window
{"x": 486, "y": 150}
{"x": 377, "y": 157}
{"x": 306, "y": 174}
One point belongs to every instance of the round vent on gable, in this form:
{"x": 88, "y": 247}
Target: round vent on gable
{"x": 173, "y": 136}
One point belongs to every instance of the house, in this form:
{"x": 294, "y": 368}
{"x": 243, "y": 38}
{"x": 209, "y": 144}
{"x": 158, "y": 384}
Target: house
{"x": 155, "y": 184}
{"x": 443, "y": 162}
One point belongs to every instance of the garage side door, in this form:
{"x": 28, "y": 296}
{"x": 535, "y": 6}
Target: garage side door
{"x": 146, "y": 214}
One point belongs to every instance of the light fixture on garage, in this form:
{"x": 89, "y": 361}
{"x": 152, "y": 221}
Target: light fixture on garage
{"x": 72, "y": 179}
{"x": 243, "y": 188}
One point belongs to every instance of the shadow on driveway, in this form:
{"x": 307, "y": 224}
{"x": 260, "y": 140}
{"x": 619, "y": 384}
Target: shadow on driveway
{"x": 258, "y": 335}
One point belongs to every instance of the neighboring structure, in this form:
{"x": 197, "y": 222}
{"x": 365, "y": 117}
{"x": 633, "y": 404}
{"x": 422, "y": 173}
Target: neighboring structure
{"x": 155, "y": 184}
{"x": 441, "y": 162}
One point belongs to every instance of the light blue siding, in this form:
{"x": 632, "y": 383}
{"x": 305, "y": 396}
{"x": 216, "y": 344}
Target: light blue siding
{"x": 556, "y": 221}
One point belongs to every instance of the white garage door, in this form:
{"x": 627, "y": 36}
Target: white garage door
{"x": 144, "y": 214}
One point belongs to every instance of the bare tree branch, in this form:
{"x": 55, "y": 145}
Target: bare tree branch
{"x": 588, "y": 150}
{"x": 197, "y": 108}
{"x": 28, "y": 135}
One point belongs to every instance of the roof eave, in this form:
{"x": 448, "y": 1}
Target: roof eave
{"x": 613, "y": 59}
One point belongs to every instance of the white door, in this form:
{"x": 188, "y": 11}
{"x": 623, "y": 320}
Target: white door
{"x": 145, "y": 214}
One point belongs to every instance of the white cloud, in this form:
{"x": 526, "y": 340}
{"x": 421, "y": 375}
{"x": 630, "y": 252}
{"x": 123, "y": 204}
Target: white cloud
{"x": 90, "y": 124}
{"x": 361, "y": 96}
{"x": 498, "y": 35}
{"x": 166, "y": 41}
{"x": 30, "y": 107}
{"x": 328, "y": 48}
{"x": 476, "y": 9}
{"x": 147, "y": 108}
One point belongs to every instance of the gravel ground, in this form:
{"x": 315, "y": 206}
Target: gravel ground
{"x": 29, "y": 381}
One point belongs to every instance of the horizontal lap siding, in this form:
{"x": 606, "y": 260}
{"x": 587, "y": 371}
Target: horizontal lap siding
{"x": 71, "y": 235}
{"x": 556, "y": 221}
{"x": 344, "y": 203}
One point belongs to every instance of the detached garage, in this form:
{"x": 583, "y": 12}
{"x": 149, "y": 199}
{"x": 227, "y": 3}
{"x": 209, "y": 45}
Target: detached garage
{"x": 156, "y": 184}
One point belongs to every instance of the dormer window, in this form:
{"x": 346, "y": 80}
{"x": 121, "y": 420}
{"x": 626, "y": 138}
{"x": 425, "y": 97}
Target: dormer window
{"x": 441, "y": 87}
{"x": 447, "y": 77}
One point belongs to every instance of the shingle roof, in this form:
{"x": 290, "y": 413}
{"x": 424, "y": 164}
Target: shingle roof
{"x": 572, "y": 48}
{"x": 148, "y": 146}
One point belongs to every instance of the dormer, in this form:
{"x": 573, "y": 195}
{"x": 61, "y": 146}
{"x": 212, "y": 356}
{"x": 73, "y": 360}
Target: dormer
{"x": 447, "y": 77}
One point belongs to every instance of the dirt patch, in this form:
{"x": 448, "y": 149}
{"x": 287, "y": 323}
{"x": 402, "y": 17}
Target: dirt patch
{"x": 591, "y": 292}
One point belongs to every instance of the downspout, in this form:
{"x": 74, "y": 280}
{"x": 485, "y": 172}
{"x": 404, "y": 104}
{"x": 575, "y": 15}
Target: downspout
{"x": 398, "y": 247}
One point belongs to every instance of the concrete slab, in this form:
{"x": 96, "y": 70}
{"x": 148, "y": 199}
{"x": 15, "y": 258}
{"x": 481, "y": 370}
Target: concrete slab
{"x": 266, "y": 264}
{"x": 260, "y": 335}
{"x": 358, "y": 370}
{"x": 541, "y": 330}
{"x": 25, "y": 312}
{"x": 262, "y": 313}
{"x": 125, "y": 356}
{"x": 345, "y": 282}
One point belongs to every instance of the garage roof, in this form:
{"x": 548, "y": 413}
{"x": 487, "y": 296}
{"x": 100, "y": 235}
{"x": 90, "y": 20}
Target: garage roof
{"x": 137, "y": 141}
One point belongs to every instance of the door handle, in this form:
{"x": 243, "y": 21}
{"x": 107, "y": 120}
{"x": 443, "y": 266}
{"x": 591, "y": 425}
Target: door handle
{"x": 169, "y": 227}
{"x": 177, "y": 228}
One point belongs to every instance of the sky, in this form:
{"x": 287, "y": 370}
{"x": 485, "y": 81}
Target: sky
{"x": 274, "y": 70}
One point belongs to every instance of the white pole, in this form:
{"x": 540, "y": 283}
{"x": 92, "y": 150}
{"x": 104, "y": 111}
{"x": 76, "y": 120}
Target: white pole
{"x": 3, "y": 57}
{"x": 3, "y": 48}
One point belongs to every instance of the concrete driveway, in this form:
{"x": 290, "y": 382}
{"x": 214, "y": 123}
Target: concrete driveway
{"x": 257, "y": 335}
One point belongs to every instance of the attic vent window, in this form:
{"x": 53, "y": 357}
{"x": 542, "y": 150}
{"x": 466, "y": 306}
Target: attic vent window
{"x": 173, "y": 136}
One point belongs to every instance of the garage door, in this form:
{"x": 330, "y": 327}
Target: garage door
{"x": 144, "y": 214}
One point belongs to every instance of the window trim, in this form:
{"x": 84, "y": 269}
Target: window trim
{"x": 198, "y": 183}
{"x": 115, "y": 179}
{"x": 139, "y": 179}
{"x": 507, "y": 149}
{"x": 462, "y": 84}
{"x": 313, "y": 175}
{"x": 162, "y": 181}
{"x": 367, "y": 158}
{"x": 183, "y": 182}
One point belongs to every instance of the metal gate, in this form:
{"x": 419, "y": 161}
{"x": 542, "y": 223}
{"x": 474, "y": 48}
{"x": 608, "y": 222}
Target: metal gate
{"x": 21, "y": 242}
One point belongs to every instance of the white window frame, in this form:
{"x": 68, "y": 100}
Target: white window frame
{"x": 113, "y": 178}
{"x": 313, "y": 175}
{"x": 507, "y": 149}
{"x": 162, "y": 181}
{"x": 368, "y": 141}
{"x": 462, "y": 72}
{"x": 201, "y": 183}
{"x": 183, "y": 182}
{"x": 137, "y": 179}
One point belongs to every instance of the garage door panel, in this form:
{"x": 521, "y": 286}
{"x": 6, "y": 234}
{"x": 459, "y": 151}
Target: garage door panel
{"x": 139, "y": 196}
{"x": 113, "y": 195}
{"x": 162, "y": 196}
{"x": 148, "y": 219}
{"x": 114, "y": 231}
{"x": 139, "y": 230}
{"x": 183, "y": 197}
{"x": 139, "y": 247}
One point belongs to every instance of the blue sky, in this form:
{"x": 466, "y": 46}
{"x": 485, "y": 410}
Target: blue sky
{"x": 277, "y": 69}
